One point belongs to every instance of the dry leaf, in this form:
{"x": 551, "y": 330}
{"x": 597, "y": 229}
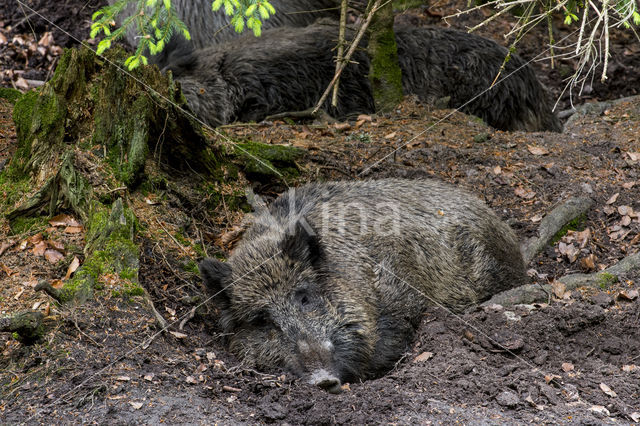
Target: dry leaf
{"x": 613, "y": 198}
{"x": 23, "y": 245}
{"x": 424, "y": 356}
{"x": 635, "y": 416}
{"x": 551, "y": 377}
{"x": 567, "y": 366}
{"x": 35, "y": 239}
{"x": 364, "y": 117}
{"x": 5, "y": 245}
{"x": 629, "y": 368}
{"x": 536, "y": 218}
{"x": 589, "y": 262}
{"x": 524, "y": 193}
{"x": 150, "y": 201}
{"x": 568, "y": 250}
{"x": 75, "y": 264}
{"x": 558, "y": 289}
{"x": 191, "y": 380}
{"x": 17, "y": 296}
{"x": 53, "y": 256}
{"x": 342, "y": 126}
{"x": 625, "y": 211}
{"x": 178, "y": 335}
{"x": 390, "y": 135}
{"x": 46, "y": 40}
{"x": 628, "y": 185}
{"x": 36, "y": 305}
{"x": 634, "y": 156}
{"x": 6, "y": 269}
{"x": 629, "y": 295}
{"x": 39, "y": 248}
{"x": 537, "y": 150}
{"x": 582, "y": 237}
{"x": 73, "y": 229}
{"x": 625, "y": 221}
{"x": 56, "y": 245}
{"x": 149, "y": 377}
{"x": 359, "y": 123}
{"x": 22, "y": 84}
{"x": 497, "y": 170}
{"x": 606, "y": 389}
{"x": 58, "y": 284}
{"x": 123, "y": 378}
{"x": 63, "y": 220}
{"x": 136, "y": 405}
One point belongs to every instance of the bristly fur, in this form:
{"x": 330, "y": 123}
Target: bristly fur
{"x": 334, "y": 277}
{"x": 287, "y": 69}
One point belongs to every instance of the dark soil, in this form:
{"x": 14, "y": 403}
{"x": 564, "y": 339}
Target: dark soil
{"x": 108, "y": 362}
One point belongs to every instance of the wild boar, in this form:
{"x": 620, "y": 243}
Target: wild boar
{"x": 287, "y": 69}
{"x": 331, "y": 280}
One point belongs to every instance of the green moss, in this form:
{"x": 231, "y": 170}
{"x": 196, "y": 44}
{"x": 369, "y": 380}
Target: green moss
{"x": 267, "y": 159}
{"x": 606, "y": 279}
{"x": 481, "y": 137}
{"x": 11, "y": 95}
{"x": 22, "y": 224}
{"x": 402, "y": 5}
{"x": 363, "y": 137}
{"x": 192, "y": 267}
{"x": 11, "y": 191}
{"x": 576, "y": 224}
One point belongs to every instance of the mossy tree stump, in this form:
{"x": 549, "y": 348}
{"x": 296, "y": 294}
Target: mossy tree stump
{"x": 84, "y": 139}
{"x": 88, "y": 131}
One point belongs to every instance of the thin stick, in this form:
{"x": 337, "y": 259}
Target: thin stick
{"x": 352, "y": 48}
{"x": 341, "y": 43}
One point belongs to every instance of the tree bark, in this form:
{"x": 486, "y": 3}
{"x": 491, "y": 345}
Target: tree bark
{"x": 384, "y": 71}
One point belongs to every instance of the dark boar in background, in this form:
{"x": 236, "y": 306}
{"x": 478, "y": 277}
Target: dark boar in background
{"x": 208, "y": 28}
{"x": 287, "y": 69}
{"x": 331, "y": 280}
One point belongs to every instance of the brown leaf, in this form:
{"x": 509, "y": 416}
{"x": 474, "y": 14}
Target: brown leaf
{"x": 35, "y": 239}
{"x": 75, "y": 264}
{"x": 58, "y": 284}
{"x": 589, "y": 262}
{"x": 364, "y": 117}
{"x": 123, "y": 378}
{"x": 56, "y": 245}
{"x": 359, "y": 123}
{"x": 191, "y": 380}
{"x": 583, "y": 237}
{"x": 136, "y": 405}
{"x": 551, "y": 377}
{"x": 625, "y": 211}
{"x": 149, "y": 377}
{"x": 73, "y": 229}
{"x": 606, "y": 389}
{"x": 6, "y": 269}
{"x": 567, "y": 366}
{"x": 53, "y": 256}
{"x": 524, "y": 193}
{"x": 629, "y": 368}
{"x": 569, "y": 250}
{"x": 342, "y": 126}
{"x": 628, "y": 185}
{"x": 558, "y": 289}
{"x": 46, "y": 39}
{"x": 634, "y": 156}
{"x": 625, "y": 221}
{"x": 22, "y": 84}
{"x": 63, "y": 220}
{"x": 5, "y": 245}
{"x": 424, "y": 356}
{"x": 39, "y": 248}
{"x": 613, "y": 198}
{"x": 390, "y": 135}
{"x": 537, "y": 150}
{"x": 629, "y": 295}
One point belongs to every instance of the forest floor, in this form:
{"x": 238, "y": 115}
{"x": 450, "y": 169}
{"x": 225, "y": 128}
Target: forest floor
{"x": 574, "y": 359}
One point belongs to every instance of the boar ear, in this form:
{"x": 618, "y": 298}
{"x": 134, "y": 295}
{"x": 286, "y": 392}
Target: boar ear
{"x": 215, "y": 274}
{"x": 303, "y": 243}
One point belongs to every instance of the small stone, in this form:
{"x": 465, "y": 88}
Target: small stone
{"x": 508, "y": 399}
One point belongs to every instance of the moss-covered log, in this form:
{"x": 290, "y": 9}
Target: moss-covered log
{"x": 27, "y": 326}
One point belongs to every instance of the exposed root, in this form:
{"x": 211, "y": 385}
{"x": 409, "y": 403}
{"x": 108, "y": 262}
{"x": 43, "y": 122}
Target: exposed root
{"x": 552, "y": 223}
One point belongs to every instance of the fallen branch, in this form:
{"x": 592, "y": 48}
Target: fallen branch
{"x": 311, "y": 114}
{"x": 532, "y": 293}
{"x": 553, "y": 223}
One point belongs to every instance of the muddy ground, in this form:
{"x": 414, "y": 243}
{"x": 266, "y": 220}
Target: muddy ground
{"x": 572, "y": 360}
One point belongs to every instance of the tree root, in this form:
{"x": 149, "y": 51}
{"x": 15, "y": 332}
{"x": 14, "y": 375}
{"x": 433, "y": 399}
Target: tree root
{"x": 535, "y": 293}
{"x": 553, "y": 223}
{"x": 27, "y": 325}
